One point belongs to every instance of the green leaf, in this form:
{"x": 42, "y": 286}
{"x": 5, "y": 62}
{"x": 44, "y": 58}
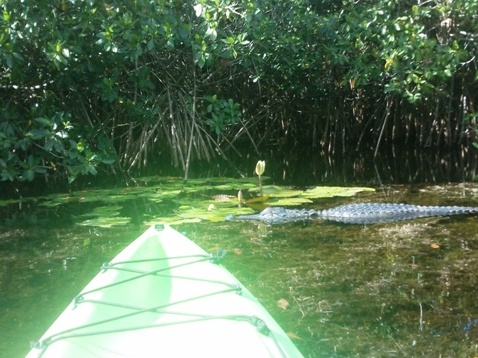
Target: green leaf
{"x": 6, "y": 16}
{"x": 106, "y": 222}
{"x": 108, "y": 161}
{"x": 291, "y": 201}
{"x": 92, "y": 170}
{"x": 28, "y": 175}
{"x": 198, "y": 9}
{"x": 331, "y": 191}
{"x": 211, "y": 33}
{"x": 40, "y": 170}
{"x": 100, "y": 211}
{"x": 9, "y": 60}
{"x": 38, "y": 133}
{"x": 43, "y": 121}
{"x": 8, "y": 174}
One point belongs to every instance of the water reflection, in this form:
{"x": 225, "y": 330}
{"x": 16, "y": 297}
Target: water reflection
{"x": 397, "y": 166}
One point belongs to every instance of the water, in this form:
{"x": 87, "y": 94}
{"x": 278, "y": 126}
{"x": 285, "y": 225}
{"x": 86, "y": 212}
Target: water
{"x": 396, "y": 289}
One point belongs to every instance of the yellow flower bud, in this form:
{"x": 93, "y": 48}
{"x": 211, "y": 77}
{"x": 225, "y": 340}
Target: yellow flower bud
{"x": 260, "y": 167}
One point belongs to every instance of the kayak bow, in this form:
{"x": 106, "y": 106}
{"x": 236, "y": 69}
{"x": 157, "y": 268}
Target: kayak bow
{"x": 164, "y": 296}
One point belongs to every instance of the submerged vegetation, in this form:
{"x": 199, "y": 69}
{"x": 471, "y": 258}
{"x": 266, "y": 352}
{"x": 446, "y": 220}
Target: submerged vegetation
{"x": 86, "y": 84}
{"x": 406, "y": 289}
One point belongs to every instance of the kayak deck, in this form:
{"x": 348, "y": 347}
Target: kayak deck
{"x": 164, "y": 296}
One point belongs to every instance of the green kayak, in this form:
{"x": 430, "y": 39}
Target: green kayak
{"x": 164, "y": 296}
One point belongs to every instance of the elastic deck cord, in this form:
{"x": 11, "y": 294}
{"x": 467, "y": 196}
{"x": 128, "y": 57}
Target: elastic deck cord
{"x": 80, "y": 299}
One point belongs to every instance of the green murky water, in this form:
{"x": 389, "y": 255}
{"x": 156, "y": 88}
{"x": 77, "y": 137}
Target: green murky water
{"x": 396, "y": 289}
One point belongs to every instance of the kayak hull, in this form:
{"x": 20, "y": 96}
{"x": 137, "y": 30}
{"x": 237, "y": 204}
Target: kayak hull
{"x": 164, "y": 296}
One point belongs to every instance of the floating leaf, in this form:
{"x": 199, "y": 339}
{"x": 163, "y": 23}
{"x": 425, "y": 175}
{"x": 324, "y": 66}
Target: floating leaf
{"x": 275, "y": 191}
{"x": 192, "y": 214}
{"x": 231, "y": 204}
{"x": 107, "y": 211}
{"x": 9, "y": 201}
{"x": 56, "y": 200}
{"x": 51, "y": 204}
{"x": 203, "y": 214}
{"x": 259, "y": 199}
{"x": 155, "y": 197}
{"x": 291, "y": 201}
{"x": 223, "y": 197}
{"x": 106, "y": 221}
{"x": 331, "y": 191}
{"x": 171, "y": 220}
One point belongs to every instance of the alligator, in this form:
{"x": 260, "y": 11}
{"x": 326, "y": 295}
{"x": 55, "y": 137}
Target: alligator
{"x": 361, "y": 213}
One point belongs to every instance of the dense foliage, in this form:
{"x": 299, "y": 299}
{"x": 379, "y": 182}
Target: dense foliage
{"x": 85, "y": 83}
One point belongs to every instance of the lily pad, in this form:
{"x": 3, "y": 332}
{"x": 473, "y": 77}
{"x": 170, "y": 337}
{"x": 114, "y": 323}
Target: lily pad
{"x": 112, "y": 210}
{"x": 51, "y": 204}
{"x": 54, "y": 200}
{"x": 291, "y": 201}
{"x": 290, "y": 197}
{"x": 222, "y": 204}
{"x": 170, "y": 220}
{"x": 331, "y": 191}
{"x": 202, "y": 213}
{"x": 191, "y": 214}
{"x": 223, "y": 197}
{"x": 8, "y": 202}
{"x": 106, "y": 222}
{"x": 257, "y": 200}
{"x": 155, "y": 197}
{"x": 275, "y": 191}
{"x": 168, "y": 194}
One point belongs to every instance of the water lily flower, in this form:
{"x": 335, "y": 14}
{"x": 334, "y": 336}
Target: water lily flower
{"x": 260, "y": 167}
